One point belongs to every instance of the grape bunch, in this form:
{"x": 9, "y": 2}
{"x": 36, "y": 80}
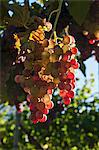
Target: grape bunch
{"x": 49, "y": 64}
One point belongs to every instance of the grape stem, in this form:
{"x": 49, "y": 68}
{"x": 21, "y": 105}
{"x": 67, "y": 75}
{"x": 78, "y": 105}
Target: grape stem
{"x": 55, "y": 37}
{"x": 66, "y": 30}
{"x": 57, "y": 17}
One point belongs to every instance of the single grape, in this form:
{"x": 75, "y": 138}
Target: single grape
{"x": 56, "y": 80}
{"x": 51, "y": 44}
{"x": 65, "y": 58}
{"x": 69, "y": 53}
{"x": 45, "y": 111}
{"x": 48, "y": 25}
{"x": 46, "y": 98}
{"x": 27, "y": 90}
{"x": 73, "y": 62}
{"x": 49, "y": 91}
{"x": 63, "y": 93}
{"x": 74, "y": 50}
{"x": 75, "y": 66}
{"x": 45, "y": 43}
{"x": 65, "y": 48}
{"x": 39, "y": 115}
{"x": 61, "y": 86}
{"x": 66, "y": 100}
{"x": 70, "y": 94}
{"x": 91, "y": 41}
{"x": 34, "y": 91}
{"x": 31, "y": 106}
{"x": 45, "y": 55}
{"x": 49, "y": 105}
{"x": 35, "y": 121}
{"x": 43, "y": 119}
{"x": 37, "y": 68}
{"x": 40, "y": 106}
{"x": 29, "y": 97}
{"x": 68, "y": 87}
{"x": 17, "y": 78}
{"x": 26, "y": 72}
{"x": 66, "y": 39}
{"x": 73, "y": 85}
{"x": 68, "y": 65}
{"x": 70, "y": 75}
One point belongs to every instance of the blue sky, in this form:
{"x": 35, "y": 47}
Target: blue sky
{"x": 91, "y": 67}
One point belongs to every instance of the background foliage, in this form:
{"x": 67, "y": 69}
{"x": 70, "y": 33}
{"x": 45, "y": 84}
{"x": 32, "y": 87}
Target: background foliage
{"x": 74, "y": 127}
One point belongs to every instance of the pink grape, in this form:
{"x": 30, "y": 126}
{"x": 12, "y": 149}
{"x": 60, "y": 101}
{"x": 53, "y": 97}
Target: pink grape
{"x": 50, "y": 105}
{"x": 17, "y": 78}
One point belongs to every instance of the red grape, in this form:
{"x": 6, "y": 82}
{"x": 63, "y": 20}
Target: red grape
{"x": 70, "y": 94}
{"x": 45, "y": 111}
{"x": 74, "y": 50}
{"x": 43, "y": 119}
{"x": 65, "y": 58}
{"x": 70, "y": 75}
{"x": 68, "y": 87}
{"x": 66, "y": 100}
{"x": 91, "y": 41}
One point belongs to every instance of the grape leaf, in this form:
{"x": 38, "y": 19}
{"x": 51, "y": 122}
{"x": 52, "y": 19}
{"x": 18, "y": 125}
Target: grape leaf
{"x": 82, "y": 67}
{"x": 79, "y": 10}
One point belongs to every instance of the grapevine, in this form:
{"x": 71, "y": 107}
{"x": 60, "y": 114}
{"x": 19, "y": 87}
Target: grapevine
{"x": 49, "y": 64}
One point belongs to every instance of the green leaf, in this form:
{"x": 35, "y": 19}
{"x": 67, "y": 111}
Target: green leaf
{"x": 79, "y": 10}
{"x": 82, "y": 67}
{"x": 41, "y": 1}
{"x": 21, "y": 15}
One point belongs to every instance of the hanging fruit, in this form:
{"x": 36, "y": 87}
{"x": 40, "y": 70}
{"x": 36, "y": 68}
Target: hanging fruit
{"x": 49, "y": 65}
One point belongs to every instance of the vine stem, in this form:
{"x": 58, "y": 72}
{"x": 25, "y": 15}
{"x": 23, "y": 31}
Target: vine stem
{"x": 56, "y": 10}
{"x": 57, "y": 17}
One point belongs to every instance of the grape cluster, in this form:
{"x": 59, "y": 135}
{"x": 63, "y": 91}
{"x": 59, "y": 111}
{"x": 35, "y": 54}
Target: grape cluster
{"x": 49, "y": 64}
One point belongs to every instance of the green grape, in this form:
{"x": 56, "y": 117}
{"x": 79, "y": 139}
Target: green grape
{"x": 58, "y": 52}
{"x": 45, "y": 55}
{"x": 22, "y": 79}
{"x": 39, "y": 115}
{"x": 26, "y": 72}
{"x": 28, "y": 65}
{"x": 54, "y": 72}
{"x": 45, "y": 62}
{"x": 30, "y": 56}
{"x": 28, "y": 82}
{"x": 42, "y": 92}
{"x": 34, "y": 91}
{"x": 49, "y": 68}
{"x": 45, "y": 43}
{"x": 46, "y": 98}
{"x": 66, "y": 39}
{"x": 53, "y": 58}
{"x": 65, "y": 48}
